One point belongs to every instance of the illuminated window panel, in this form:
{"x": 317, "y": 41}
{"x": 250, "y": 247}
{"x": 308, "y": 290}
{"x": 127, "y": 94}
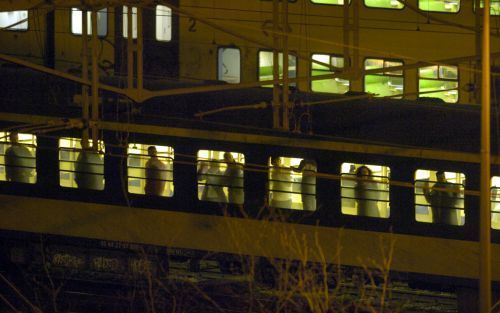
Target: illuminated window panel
{"x": 494, "y": 6}
{"x": 439, "y": 81}
{"x": 331, "y": 85}
{"x": 220, "y": 176}
{"x": 229, "y": 67}
{"x": 439, "y": 197}
{"x": 77, "y": 22}
{"x": 365, "y": 190}
{"x": 386, "y": 4}
{"x": 81, "y": 168}
{"x": 150, "y": 170}
{"x": 331, "y": 2}
{"x": 125, "y": 23}
{"x": 18, "y": 157}
{"x": 266, "y": 66}
{"x": 292, "y": 183}
{"x": 495, "y": 202}
{"x": 163, "y": 23}
{"x": 390, "y": 83}
{"x": 12, "y": 20}
{"x": 449, "y": 6}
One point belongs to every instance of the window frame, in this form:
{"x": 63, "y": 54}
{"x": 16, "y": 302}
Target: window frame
{"x": 18, "y": 29}
{"x": 240, "y": 63}
{"x": 32, "y": 148}
{"x": 88, "y": 12}
{"x": 383, "y": 8}
{"x": 156, "y": 24}
{"x": 439, "y": 79}
{"x": 330, "y": 55}
{"x": 330, "y": 4}
{"x": 281, "y": 74}
{"x": 441, "y": 12}
{"x": 386, "y": 74}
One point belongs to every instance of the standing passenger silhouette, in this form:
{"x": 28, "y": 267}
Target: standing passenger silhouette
{"x": 156, "y": 174}
{"x": 19, "y": 162}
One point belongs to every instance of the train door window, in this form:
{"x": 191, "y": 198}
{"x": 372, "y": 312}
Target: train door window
{"x": 449, "y": 6}
{"x": 229, "y": 65}
{"x": 81, "y": 167}
{"x": 292, "y": 183}
{"x": 332, "y": 85}
{"x": 150, "y": 170}
{"x": 266, "y": 66}
{"x": 494, "y": 6}
{"x": 439, "y": 81}
{"x": 332, "y": 2}
{"x": 495, "y": 202}
{"x": 365, "y": 190}
{"x": 163, "y": 23}
{"x": 14, "y": 20}
{"x": 125, "y": 23}
{"x": 439, "y": 197}
{"x": 18, "y": 157}
{"x": 384, "y": 84}
{"x": 220, "y": 176}
{"x": 77, "y": 23}
{"x": 386, "y": 4}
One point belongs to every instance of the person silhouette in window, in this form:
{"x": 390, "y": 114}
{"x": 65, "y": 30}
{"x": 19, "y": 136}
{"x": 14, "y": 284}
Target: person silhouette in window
{"x": 210, "y": 173}
{"x": 19, "y": 162}
{"x": 307, "y": 183}
{"x": 366, "y": 192}
{"x": 89, "y": 169}
{"x": 234, "y": 178}
{"x": 442, "y": 197}
{"x": 156, "y": 174}
{"x": 280, "y": 185}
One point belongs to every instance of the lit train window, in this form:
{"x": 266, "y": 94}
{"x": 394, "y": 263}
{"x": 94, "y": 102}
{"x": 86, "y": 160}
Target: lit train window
{"x": 229, "y": 65}
{"x": 365, "y": 190}
{"x": 150, "y": 169}
{"x": 450, "y": 6}
{"x": 220, "y": 176}
{"x": 383, "y": 84}
{"x": 18, "y": 157}
{"x": 14, "y": 19}
{"x": 78, "y": 167}
{"x": 387, "y": 4}
{"x": 333, "y": 2}
{"x": 439, "y": 81}
{"x": 333, "y": 85}
{"x": 266, "y": 66}
{"x": 163, "y": 23}
{"x": 134, "y": 22}
{"x": 77, "y": 23}
{"x": 292, "y": 183}
{"x": 494, "y": 6}
{"x": 495, "y": 202}
{"x": 439, "y": 197}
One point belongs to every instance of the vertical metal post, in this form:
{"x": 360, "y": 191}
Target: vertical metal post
{"x": 285, "y": 89}
{"x": 130, "y": 50}
{"x": 485, "y": 208}
{"x": 140, "y": 48}
{"x": 85, "y": 77}
{"x": 276, "y": 86}
{"x": 346, "y": 35}
{"x": 95, "y": 81}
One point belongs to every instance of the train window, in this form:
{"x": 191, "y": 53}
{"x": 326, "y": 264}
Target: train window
{"x": 266, "y": 66}
{"x": 134, "y": 22}
{"x": 365, "y": 190}
{"x": 18, "y": 157}
{"x": 387, "y": 4}
{"x": 229, "y": 65}
{"x": 494, "y": 6}
{"x": 390, "y": 83}
{"x": 81, "y": 167}
{"x": 14, "y": 20}
{"x": 440, "y": 81}
{"x": 77, "y": 23}
{"x": 439, "y": 197}
{"x": 495, "y": 202}
{"x": 333, "y": 2}
{"x": 150, "y": 169}
{"x": 163, "y": 23}
{"x": 292, "y": 183}
{"x": 451, "y": 6}
{"x": 220, "y": 176}
{"x": 333, "y": 85}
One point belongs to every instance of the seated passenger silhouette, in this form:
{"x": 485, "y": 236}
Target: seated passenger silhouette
{"x": 443, "y": 198}
{"x": 19, "y": 162}
{"x": 366, "y": 192}
{"x": 308, "y": 183}
{"x": 156, "y": 174}
{"x": 280, "y": 185}
{"x": 234, "y": 179}
{"x": 89, "y": 169}
{"x": 210, "y": 173}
